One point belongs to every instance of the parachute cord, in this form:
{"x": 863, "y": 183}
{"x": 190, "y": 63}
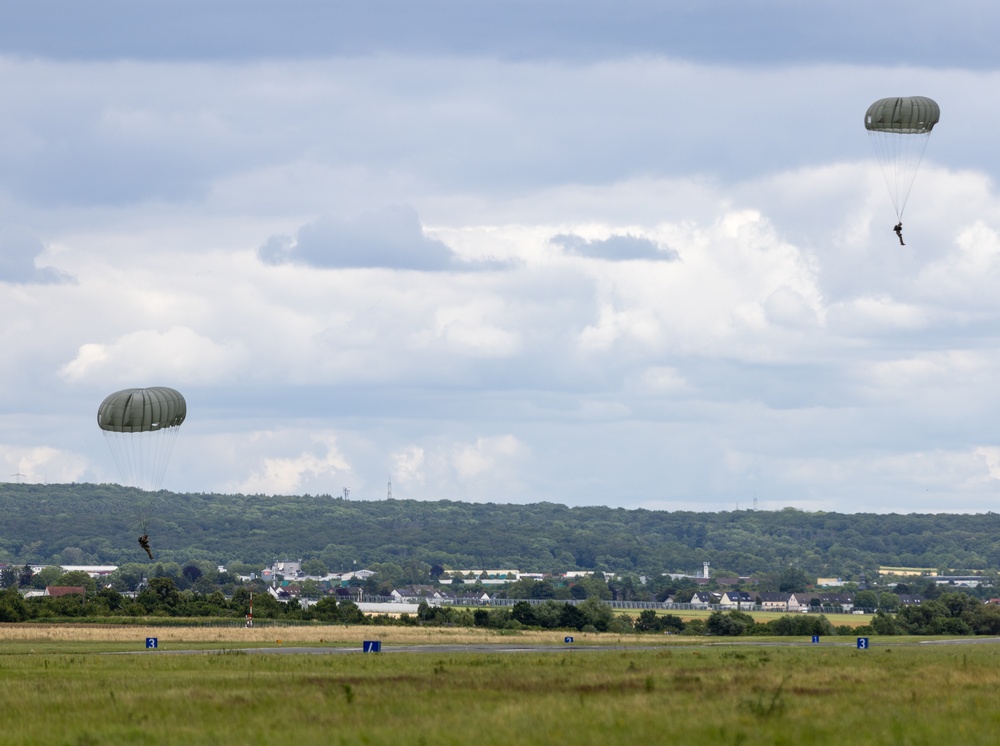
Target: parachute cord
{"x": 916, "y": 167}
{"x": 141, "y": 459}
{"x": 899, "y": 157}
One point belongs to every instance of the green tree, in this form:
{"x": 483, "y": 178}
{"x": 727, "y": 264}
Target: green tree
{"x": 648, "y": 621}
{"x": 886, "y": 624}
{"x": 78, "y": 578}
{"x": 597, "y": 613}
{"x": 984, "y": 619}
{"x": 12, "y": 606}
{"x": 918, "y": 619}
{"x": 571, "y": 617}
{"x": 315, "y": 567}
{"x": 310, "y": 589}
{"x": 160, "y": 595}
{"x": 43, "y": 578}
{"x": 109, "y": 600}
{"x": 959, "y": 603}
{"x": 594, "y": 586}
{"x": 793, "y": 580}
{"x": 866, "y": 600}
{"x": 621, "y": 624}
{"x": 8, "y": 577}
{"x": 524, "y": 613}
{"x": 888, "y": 602}
{"x": 730, "y": 623}
{"x": 128, "y": 577}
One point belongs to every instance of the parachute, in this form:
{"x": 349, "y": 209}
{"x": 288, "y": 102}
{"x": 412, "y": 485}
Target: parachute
{"x": 899, "y": 129}
{"x": 140, "y": 427}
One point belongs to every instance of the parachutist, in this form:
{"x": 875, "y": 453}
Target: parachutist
{"x": 144, "y": 543}
{"x": 898, "y": 227}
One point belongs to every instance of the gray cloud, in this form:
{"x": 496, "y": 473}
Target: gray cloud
{"x": 722, "y": 30}
{"x": 616, "y": 248}
{"x": 391, "y": 237}
{"x": 18, "y": 251}
{"x": 797, "y": 351}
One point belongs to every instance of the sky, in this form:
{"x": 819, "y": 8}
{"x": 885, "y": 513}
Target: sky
{"x": 632, "y": 253}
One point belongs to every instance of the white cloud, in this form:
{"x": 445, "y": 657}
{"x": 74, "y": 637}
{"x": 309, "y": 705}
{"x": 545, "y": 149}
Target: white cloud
{"x": 408, "y": 464}
{"x": 41, "y": 464}
{"x": 486, "y": 456}
{"x": 788, "y": 344}
{"x": 178, "y": 354}
{"x": 289, "y": 474}
{"x": 467, "y": 329}
{"x": 991, "y": 455}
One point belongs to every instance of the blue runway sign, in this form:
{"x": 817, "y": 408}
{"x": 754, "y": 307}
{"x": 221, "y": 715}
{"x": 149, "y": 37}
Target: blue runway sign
{"x": 862, "y": 643}
{"x": 372, "y": 646}
{"x": 567, "y": 639}
{"x": 815, "y": 638}
{"x": 151, "y": 642}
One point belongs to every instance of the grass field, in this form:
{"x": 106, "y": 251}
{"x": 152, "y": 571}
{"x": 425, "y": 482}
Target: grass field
{"x": 57, "y": 688}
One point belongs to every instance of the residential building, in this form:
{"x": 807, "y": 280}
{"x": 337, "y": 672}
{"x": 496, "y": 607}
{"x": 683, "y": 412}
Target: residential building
{"x": 736, "y": 600}
{"x": 773, "y": 601}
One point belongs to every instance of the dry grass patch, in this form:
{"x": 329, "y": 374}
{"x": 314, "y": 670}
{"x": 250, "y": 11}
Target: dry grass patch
{"x": 335, "y": 635}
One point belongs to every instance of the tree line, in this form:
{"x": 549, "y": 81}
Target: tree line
{"x": 89, "y": 524}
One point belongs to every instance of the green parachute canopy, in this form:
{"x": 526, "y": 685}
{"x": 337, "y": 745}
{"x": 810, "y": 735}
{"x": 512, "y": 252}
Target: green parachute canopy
{"x": 140, "y": 427}
{"x": 142, "y": 410}
{"x": 899, "y": 129}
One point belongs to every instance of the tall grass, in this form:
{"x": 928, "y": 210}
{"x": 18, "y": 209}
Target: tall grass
{"x": 745, "y": 694}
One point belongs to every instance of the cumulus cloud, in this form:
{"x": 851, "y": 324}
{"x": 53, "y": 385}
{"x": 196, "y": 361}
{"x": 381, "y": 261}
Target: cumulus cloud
{"x": 763, "y": 306}
{"x": 41, "y": 464}
{"x": 469, "y": 329}
{"x": 486, "y": 455}
{"x": 391, "y": 238}
{"x": 178, "y": 354}
{"x": 278, "y": 475}
{"x": 615, "y": 248}
{"x": 19, "y": 250}
{"x": 408, "y": 465}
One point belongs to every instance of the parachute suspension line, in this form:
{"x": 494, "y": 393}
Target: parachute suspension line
{"x": 142, "y": 458}
{"x": 899, "y": 129}
{"x": 140, "y": 426}
{"x": 899, "y": 158}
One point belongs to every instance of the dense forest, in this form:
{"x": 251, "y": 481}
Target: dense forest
{"x": 77, "y": 524}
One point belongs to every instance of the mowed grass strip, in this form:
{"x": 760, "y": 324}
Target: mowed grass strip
{"x": 747, "y": 695}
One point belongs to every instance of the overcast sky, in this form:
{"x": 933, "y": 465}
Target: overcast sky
{"x": 629, "y": 253}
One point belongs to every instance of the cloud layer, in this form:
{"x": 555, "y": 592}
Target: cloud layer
{"x": 643, "y": 275}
